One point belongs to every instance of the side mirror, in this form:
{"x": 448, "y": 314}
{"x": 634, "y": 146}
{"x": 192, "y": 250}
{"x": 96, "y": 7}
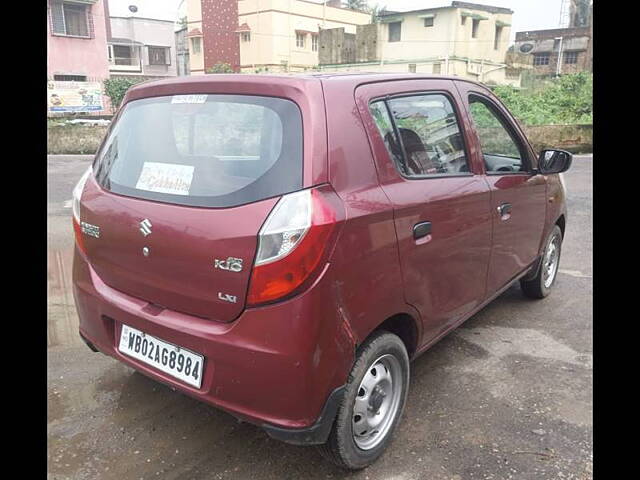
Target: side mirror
{"x": 554, "y": 161}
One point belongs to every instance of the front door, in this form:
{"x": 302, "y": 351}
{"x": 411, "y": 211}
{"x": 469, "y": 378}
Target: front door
{"x": 517, "y": 193}
{"x": 441, "y": 204}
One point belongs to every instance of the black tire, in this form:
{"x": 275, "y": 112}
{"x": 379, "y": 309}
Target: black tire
{"x": 341, "y": 448}
{"x": 535, "y": 287}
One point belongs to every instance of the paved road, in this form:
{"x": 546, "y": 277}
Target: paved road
{"x": 507, "y": 395}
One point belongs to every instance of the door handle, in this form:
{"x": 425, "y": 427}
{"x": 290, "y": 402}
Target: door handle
{"x": 504, "y": 211}
{"x": 421, "y": 229}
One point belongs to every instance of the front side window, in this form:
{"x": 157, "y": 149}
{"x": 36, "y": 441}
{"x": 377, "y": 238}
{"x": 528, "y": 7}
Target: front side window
{"x": 203, "y": 150}
{"x": 314, "y": 43}
{"x": 395, "y": 30}
{"x": 428, "y": 22}
{"x": 426, "y": 138}
{"x": 246, "y": 36}
{"x": 500, "y": 149}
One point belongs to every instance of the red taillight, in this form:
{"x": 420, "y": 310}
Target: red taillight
{"x": 78, "y": 234}
{"x": 75, "y": 209}
{"x": 294, "y": 241}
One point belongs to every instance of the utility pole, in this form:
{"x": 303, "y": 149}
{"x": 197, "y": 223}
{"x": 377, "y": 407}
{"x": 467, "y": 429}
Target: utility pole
{"x": 559, "y": 63}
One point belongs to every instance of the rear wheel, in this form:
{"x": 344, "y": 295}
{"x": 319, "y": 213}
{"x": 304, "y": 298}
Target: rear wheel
{"x": 540, "y": 285}
{"x": 372, "y": 405}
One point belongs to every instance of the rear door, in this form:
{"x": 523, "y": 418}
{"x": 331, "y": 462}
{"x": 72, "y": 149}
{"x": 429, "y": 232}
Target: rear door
{"x": 441, "y": 200}
{"x": 518, "y": 195}
{"x": 179, "y": 192}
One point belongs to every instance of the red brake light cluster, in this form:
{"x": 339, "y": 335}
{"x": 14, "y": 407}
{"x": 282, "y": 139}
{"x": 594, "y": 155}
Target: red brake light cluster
{"x": 298, "y": 234}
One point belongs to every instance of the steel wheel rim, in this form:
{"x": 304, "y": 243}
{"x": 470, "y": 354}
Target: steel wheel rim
{"x": 377, "y": 402}
{"x": 551, "y": 260}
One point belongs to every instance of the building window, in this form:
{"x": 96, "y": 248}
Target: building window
{"x": 196, "y": 45}
{"x": 70, "y": 78}
{"x": 474, "y": 28}
{"x": 246, "y": 36}
{"x": 395, "y": 30}
{"x": 463, "y": 20}
{"x": 70, "y": 19}
{"x": 570, "y": 57}
{"x": 541, "y": 59}
{"x": 123, "y": 55}
{"x": 158, "y": 56}
{"x": 412, "y": 68}
{"x": 300, "y": 37}
{"x": 496, "y": 40}
{"x": 437, "y": 68}
{"x": 314, "y": 43}
{"x": 428, "y": 22}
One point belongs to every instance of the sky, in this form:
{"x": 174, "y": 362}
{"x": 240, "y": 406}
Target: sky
{"x": 528, "y": 14}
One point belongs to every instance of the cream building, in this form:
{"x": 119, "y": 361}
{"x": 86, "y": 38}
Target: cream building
{"x": 282, "y": 35}
{"x": 464, "y": 39}
{"x": 194, "y": 36}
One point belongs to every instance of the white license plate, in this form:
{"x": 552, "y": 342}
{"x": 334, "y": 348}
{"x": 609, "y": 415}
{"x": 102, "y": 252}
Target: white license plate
{"x": 166, "y": 357}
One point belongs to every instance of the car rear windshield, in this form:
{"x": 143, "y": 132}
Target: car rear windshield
{"x": 203, "y": 150}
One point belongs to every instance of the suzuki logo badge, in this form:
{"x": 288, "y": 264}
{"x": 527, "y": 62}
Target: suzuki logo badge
{"x": 145, "y": 227}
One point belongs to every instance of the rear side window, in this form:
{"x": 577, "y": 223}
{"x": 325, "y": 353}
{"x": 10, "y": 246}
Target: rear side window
{"x": 422, "y": 135}
{"x": 203, "y": 150}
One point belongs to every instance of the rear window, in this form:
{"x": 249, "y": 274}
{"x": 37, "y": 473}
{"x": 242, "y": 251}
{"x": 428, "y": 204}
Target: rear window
{"x": 203, "y": 150}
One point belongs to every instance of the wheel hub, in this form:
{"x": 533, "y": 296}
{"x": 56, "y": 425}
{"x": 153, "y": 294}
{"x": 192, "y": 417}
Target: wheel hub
{"x": 377, "y": 402}
{"x": 376, "y": 398}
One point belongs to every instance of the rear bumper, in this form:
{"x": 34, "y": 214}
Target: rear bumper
{"x": 281, "y": 366}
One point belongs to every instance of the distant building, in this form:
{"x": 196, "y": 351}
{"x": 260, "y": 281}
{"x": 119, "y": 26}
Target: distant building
{"x": 76, "y": 60}
{"x": 283, "y": 35}
{"x": 211, "y": 30}
{"x": 465, "y": 39}
{"x": 559, "y": 50}
{"x": 142, "y": 41}
{"x": 182, "y": 52}
{"x": 262, "y": 35}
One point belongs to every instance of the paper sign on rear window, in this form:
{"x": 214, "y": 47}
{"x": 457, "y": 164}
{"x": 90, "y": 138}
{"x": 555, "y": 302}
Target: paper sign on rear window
{"x": 165, "y": 178}
{"x": 189, "y": 99}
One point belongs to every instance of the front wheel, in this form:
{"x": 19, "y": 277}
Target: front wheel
{"x": 375, "y": 395}
{"x": 540, "y": 285}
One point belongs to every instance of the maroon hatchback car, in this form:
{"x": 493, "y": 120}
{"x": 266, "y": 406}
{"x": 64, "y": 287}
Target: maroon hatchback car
{"x": 281, "y": 247}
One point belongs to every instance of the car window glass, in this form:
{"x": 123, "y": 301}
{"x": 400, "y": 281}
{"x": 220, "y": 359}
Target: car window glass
{"x": 385, "y": 127}
{"x": 430, "y": 136}
{"x": 499, "y": 149}
{"x": 203, "y": 150}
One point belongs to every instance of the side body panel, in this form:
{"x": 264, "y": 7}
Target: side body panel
{"x": 444, "y": 273}
{"x": 516, "y": 236}
{"x": 368, "y": 277}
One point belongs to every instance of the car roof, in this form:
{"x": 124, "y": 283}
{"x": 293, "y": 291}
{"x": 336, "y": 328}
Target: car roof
{"x": 292, "y": 79}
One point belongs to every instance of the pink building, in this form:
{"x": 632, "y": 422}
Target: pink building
{"x": 76, "y": 49}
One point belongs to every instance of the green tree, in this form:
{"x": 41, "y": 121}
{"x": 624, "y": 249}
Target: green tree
{"x": 564, "y": 100}
{"x": 356, "y": 4}
{"x": 116, "y": 88}
{"x": 375, "y": 11}
{"x": 220, "y": 67}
